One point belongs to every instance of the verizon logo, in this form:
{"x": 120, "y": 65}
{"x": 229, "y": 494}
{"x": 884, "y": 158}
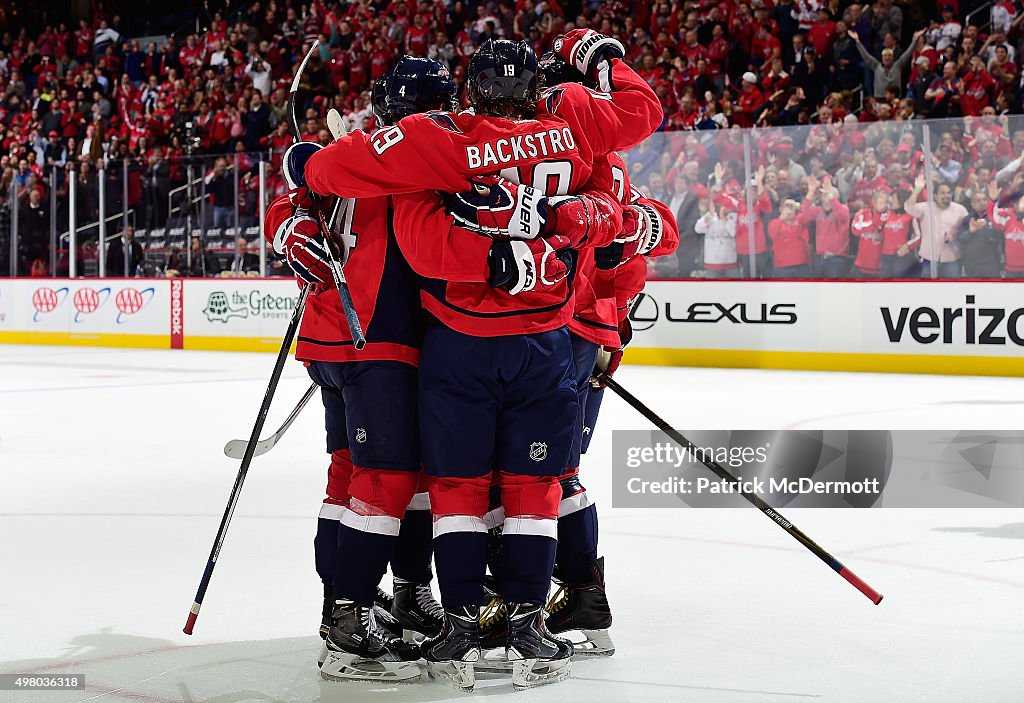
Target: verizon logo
{"x": 967, "y": 324}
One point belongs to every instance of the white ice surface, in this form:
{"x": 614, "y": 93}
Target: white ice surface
{"x": 112, "y": 484}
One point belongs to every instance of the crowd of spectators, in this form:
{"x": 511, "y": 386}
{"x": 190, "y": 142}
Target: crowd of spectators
{"x": 829, "y": 85}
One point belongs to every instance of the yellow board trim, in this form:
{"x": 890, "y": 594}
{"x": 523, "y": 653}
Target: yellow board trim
{"x": 828, "y": 361}
{"x": 244, "y": 344}
{"x": 87, "y": 339}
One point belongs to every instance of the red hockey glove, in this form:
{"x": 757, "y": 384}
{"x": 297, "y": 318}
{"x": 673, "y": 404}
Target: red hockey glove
{"x": 519, "y": 266}
{"x": 299, "y": 240}
{"x": 499, "y": 208}
{"x": 641, "y": 232}
{"x": 608, "y": 358}
{"x": 585, "y": 49}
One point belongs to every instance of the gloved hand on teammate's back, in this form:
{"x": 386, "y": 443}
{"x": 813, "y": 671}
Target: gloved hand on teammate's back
{"x": 609, "y": 358}
{"x": 641, "y": 232}
{"x": 498, "y": 208}
{"x": 521, "y": 266}
{"x": 586, "y": 50}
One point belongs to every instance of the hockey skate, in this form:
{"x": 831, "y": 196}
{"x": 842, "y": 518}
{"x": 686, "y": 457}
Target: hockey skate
{"x": 537, "y": 657}
{"x": 493, "y": 633}
{"x": 416, "y": 611}
{"x": 384, "y": 619}
{"x": 451, "y": 654}
{"x": 583, "y": 608}
{"x": 360, "y": 648}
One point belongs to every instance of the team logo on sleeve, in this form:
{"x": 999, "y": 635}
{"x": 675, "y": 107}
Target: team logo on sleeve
{"x": 553, "y": 100}
{"x": 444, "y": 121}
{"x": 539, "y": 451}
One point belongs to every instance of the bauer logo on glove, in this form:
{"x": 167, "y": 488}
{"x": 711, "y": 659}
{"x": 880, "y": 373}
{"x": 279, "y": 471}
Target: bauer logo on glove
{"x": 499, "y": 208}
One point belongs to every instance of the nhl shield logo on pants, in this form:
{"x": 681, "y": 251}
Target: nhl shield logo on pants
{"x": 539, "y": 451}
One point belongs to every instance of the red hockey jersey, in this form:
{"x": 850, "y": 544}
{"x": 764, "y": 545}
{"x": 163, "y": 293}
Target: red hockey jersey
{"x": 384, "y": 290}
{"x": 604, "y": 296}
{"x": 442, "y": 151}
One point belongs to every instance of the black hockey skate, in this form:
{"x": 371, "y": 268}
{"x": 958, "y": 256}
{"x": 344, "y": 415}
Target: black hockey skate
{"x": 493, "y": 633}
{"x": 384, "y": 619}
{"x": 381, "y": 600}
{"x": 537, "y": 656}
{"x": 451, "y": 654}
{"x": 360, "y": 648}
{"x": 416, "y": 611}
{"x": 584, "y": 608}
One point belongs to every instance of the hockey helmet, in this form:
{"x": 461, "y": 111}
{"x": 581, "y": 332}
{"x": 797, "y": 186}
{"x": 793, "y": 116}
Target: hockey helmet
{"x": 503, "y": 73}
{"x": 417, "y": 85}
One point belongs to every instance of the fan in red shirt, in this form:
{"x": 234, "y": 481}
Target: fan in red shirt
{"x": 1011, "y": 221}
{"x": 749, "y": 101}
{"x": 976, "y": 88}
{"x": 897, "y": 242}
{"x": 790, "y": 234}
{"x": 733, "y": 200}
{"x": 717, "y": 51}
{"x": 418, "y": 36}
{"x": 868, "y": 224}
{"x": 871, "y": 180}
{"x": 83, "y": 41}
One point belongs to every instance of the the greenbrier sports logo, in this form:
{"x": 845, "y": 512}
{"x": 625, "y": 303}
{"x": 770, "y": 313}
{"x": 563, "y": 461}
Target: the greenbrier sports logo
{"x": 254, "y": 304}
{"x": 219, "y": 310}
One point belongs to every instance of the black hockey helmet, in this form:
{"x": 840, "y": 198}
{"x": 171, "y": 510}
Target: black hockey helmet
{"x": 502, "y": 78}
{"x": 555, "y": 71}
{"x": 379, "y": 99}
{"x": 417, "y": 85}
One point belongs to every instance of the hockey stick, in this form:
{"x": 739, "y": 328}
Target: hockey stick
{"x": 250, "y": 451}
{"x": 235, "y": 448}
{"x": 354, "y": 326}
{"x": 755, "y": 500}
{"x": 336, "y": 125}
{"x": 268, "y": 397}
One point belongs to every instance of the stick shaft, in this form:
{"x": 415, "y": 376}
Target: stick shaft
{"x": 243, "y": 470}
{"x": 755, "y": 500}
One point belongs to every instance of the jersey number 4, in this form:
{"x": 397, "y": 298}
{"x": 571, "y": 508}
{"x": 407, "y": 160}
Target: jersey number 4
{"x": 343, "y": 225}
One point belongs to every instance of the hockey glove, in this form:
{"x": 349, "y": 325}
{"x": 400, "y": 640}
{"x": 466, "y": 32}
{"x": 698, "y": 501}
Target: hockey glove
{"x": 293, "y": 163}
{"x": 499, "y": 208}
{"x": 519, "y": 266}
{"x": 299, "y": 240}
{"x": 587, "y": 50}
{"x": 641, "y": 233}
{"x": 608, "y": 358}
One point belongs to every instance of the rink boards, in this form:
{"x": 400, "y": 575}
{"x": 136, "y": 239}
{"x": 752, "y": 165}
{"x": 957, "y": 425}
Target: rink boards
{"x": 954, "y": 327}
{"x": 218, "y": 314}
{"x": 950, "y": 327}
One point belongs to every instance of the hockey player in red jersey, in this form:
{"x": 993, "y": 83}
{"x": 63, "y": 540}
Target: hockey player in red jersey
{"x": 608, "y": 280}
{"x": 498, "y": 399}
{"x": 371, "y": 515}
